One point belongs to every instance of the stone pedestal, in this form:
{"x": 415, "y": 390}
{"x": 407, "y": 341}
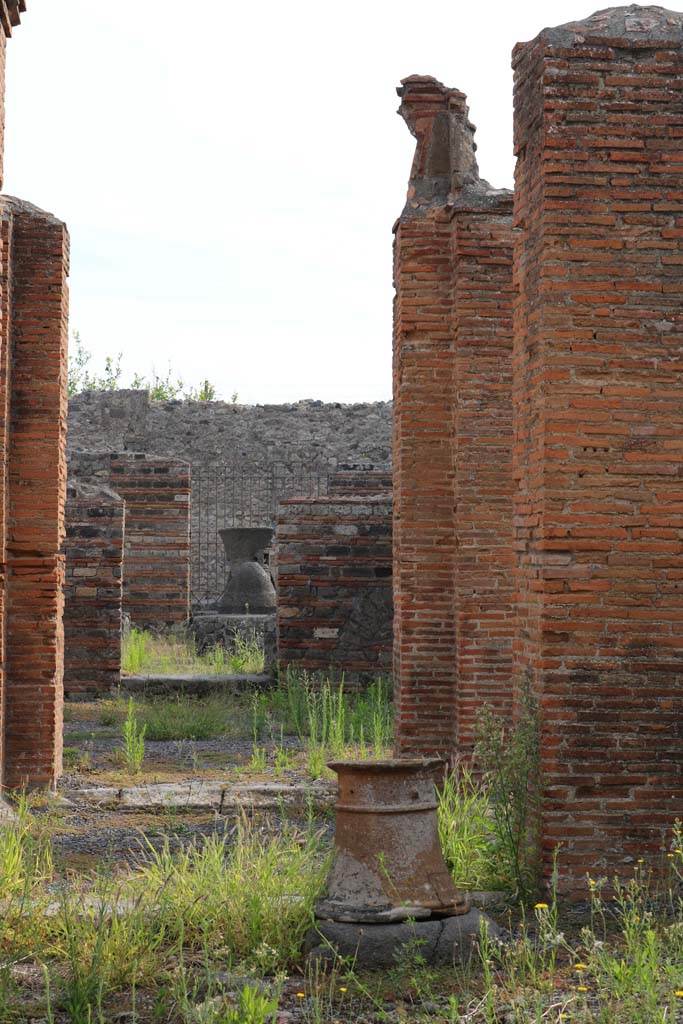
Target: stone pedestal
{"x": 448, "y": 940}
{"x": 211, "y": 628}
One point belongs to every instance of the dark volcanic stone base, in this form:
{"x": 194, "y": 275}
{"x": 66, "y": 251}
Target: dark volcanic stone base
{"x": 449, "y": 940}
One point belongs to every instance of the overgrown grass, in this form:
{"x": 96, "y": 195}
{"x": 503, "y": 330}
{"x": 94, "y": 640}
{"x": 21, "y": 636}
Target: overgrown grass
{"x": 330, "y": 721}
{"x": 167, "y": 928}
{"x": 183, "y": 717}
{"x": 133, "y": 740}
{"x": 146, "y": 653}
{"x": 467, "y": 833}
{"x": 247, "y": 900}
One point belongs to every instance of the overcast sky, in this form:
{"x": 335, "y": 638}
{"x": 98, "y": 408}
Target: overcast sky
{"x": 230, "y": 172}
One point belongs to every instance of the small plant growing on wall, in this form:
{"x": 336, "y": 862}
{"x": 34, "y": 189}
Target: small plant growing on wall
{"x": 160, "y": 388}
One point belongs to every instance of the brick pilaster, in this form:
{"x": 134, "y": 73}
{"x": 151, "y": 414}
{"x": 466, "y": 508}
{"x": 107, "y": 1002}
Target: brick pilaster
{"x": 599, "y": 420}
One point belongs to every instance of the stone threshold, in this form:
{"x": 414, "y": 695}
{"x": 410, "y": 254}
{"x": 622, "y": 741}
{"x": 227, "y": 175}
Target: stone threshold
{"x": 198, "y": 795}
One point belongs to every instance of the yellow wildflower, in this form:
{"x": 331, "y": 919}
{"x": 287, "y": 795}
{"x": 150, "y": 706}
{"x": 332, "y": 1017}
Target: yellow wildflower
{"x": 580, "y": 967}
{"x": 581, "y": 988}
{"x": 540, "y": 906}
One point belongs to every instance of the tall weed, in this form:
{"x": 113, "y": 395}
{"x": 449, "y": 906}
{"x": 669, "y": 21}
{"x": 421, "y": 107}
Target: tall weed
{"x": 510, "y": 760}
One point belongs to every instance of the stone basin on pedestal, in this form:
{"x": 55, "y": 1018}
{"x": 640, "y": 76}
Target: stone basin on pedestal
{"x": 389, "y": 889}
{"x": 389, "y": 865}
{"x": 249, "y": 590}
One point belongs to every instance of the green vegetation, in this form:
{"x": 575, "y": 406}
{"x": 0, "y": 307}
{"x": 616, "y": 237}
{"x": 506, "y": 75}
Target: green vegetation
{"x": 153, "y": 943}
{"x": 248, "y": 901}
{"x": 147, "y": 653}
{"x": 467, "y": 833}
{"x": 329, "y": 721}
{"x": 510, "y": 761}
{"x": 161, "y": 941}
{"x": 133, "y": 745}
{"x": 160, "y": 389}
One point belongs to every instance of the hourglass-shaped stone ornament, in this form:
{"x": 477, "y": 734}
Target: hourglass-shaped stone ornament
{"x": 249, "y": 590}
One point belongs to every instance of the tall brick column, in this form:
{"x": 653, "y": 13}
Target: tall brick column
{"x": 34, "y": 337}
{"x": 452, "y": 433}
{"x": 34, "y": 259}
{"x": 599, "y": 428}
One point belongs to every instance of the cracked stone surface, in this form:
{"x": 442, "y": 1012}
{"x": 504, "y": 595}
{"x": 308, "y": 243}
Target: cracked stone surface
{"x": 450, "y": 940}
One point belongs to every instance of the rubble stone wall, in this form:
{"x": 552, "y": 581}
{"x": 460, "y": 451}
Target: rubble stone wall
{"x": 156, "y": 562}
{"x": 221, "y": 433}
{"x": 334, "y": 610}
{"x": 93, "y": 549}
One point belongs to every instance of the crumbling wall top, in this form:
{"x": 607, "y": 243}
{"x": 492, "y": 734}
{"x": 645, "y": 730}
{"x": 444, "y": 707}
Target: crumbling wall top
{"x": 438, "y": 118}
{"x": 10, "y": 14}
{"x": 628, "y": 28}
{"x": 444, "y": 170}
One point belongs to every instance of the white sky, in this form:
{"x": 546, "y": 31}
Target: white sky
{"x": 230, "y": 172}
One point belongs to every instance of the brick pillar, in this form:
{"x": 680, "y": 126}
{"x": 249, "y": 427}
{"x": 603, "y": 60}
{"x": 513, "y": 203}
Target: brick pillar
{"x": 156, "y": 491}
{"x": 334, "y": 608}
{"x": 35, "y": 310}
{"x": 92, "y": 590}
{"x": 599, "y": 422}
{"x": 10, "y": 12}
{"x": 452, "y": 433}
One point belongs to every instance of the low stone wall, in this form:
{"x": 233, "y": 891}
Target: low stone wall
{"x": 92, "y": 590}
{"x": 335, "y": 608}
{"x": 156, "y": 573}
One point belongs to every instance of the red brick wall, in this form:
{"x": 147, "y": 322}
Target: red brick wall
{"x": 452, "y": 434}
{"x": 35, "y": 308}
{"x": 156, "y": 491}
{"x": 599, "y": 403}
{"x": 92, "y": 590}
{"x": 334, "y": 608}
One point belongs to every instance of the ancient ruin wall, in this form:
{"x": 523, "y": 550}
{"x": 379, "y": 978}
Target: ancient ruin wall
{"x": 35, "y": 254}
{"x": 220, "y": 433}
{"x": 452, "y": 433}
{"x": 244, "y": 459}
{"x": 156, "y": 564}
{"x": 334, "y": 608}
{"x": 93, "y": 549}
{"x": 599, "y": 421}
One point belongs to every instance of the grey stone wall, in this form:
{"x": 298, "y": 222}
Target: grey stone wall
{"x": 215, "y": 433}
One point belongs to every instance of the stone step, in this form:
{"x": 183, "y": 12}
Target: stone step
{"x": 201, "y": 795}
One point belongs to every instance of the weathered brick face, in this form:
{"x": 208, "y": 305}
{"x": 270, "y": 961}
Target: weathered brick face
{"x": 92, "y": 590}
{"x": 334, "y": 610}
{"x": 599, "y": 420}
{"x": 33, "y": 436}
{"x": 452, "y": 434}
{"x": 156, "y": 563}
